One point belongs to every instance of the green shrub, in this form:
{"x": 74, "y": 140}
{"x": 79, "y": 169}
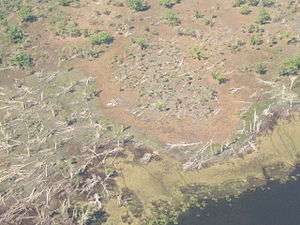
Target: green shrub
{"x": 256, "y": 39}
{"x": 138, "y": 5}
{"x": 101, "y": 38}
{"x": 66, "y": 2}
{"x": 1, "y": 56}
{"x": 2, "y": 16}
{"x": 236, "y": 46}
{"x": 168, "y": 3}
{"x": 219, "y": 77}
{"x": 290, "y": 66}
{"x": 15, "y": 34}
{"x": 238, "y": 3}
{"x": 261, "y": 68}
{"x": 172, "y": 18}
{"x": 245, "y": 9}
{"x": 141, "y": 42}
{"x": 264, "y": 17}
{"x": 253, "y": 2}
{"x": 65, "y": 26}
{"x": 198, "y": 15}
{"x": 22, "y": 60}
{"x": 267, "y": 3}
{"x": 160, "y": 105}
{"x": 255, "y": 28}
{"x": 26, "y": 14}
{"x": 198, "y": 53}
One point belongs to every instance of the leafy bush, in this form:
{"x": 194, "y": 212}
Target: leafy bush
{"x": 101, "y": 38}
{"x": 15, "y": 34}
{"x": 26, "y": 14}
{"x": 236, "y": 46}
{"x": 22, "y": 60}
{"x": 253, "y": 2}
{"x": 1, "y": 56}
{"x": 255, "y": 28}
{"x": 138, "y": 5}
{"x": 168, "y": 3}
{"x": 267, "y": 3}
{"x": 256, "y": 39}
{"x": 65, "y": 26}
{"x": 198, "y": 53}
{"x": 261, "y": 68}
{"x": 290, "y": 66}
{"x": 2, "y": 15}
{"x": 245, "y": 9}
{"x": 264, "y": 17}
{"x": 198, "y": 15}
{"x": 238, "y": 3}
{"x": 141, "y": 42}
{"x": 172, "y": 18}
{"x": 66, "y": 2}
{"x": 219, "y": 77}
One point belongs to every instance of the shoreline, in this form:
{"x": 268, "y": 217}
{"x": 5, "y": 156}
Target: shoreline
{"x": 160, "y": 183}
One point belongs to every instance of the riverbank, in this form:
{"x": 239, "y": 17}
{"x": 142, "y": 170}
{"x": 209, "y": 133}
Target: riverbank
{"x": 165, "y": 190}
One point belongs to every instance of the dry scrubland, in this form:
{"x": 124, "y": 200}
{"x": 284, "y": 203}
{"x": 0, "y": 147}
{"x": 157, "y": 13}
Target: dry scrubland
{"x": 130, "y": 111}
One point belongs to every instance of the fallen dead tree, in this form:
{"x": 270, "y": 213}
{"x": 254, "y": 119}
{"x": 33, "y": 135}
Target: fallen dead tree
{"x": 55, "y": 151}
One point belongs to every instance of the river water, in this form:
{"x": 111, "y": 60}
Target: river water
{"x": 275, "y": 204}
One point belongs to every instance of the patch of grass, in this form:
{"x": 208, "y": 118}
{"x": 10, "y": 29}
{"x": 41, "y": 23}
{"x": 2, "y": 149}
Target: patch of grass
{"x": 172, "y": 18}
{"x": 238, "y": 3}
{"x": 261, "y": 68}
{"x": 66, "y": 2}
{"x": 26, "y": 14}
{"x": 255, "y": 28}
{"x": 2, "y": 16}
{"x": 141, "y": 42}
{"x": 101, "y": 38}
{"x": 160, "y": 105}
{"x": 219, "y": 77}
{"x": 163, "y": 213}
{"x": 256, "y": 39}
{"x": 168, "y": 3}
{"x": 199, "y": 14}
{"x": 264, "y": 17}
{"x": 1, "y": 56}
{"x": 87, "y": 213}
{"x": 15, "y": 34}
{"x": 65, "y": 26}
{"x": 267, "y": 3}
{"x": 253, "y": 2}
{"x": 138, "y": 5}
{"x": 198, "y": 53}
{"x": 245, "y": 9}
{"x": 236, "y": 46}
{"x": 10, "y": 5}
{"x": 22, "y": 59}
{"x": 291, "y": 66}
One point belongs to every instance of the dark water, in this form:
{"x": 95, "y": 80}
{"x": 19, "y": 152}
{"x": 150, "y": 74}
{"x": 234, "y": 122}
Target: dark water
{"x": 280, "y": 205}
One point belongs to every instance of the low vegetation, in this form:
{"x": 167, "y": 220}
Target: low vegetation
{"x": 101, "y": 38}
{"x": 141, "y": 42}
{"x": 261, "y": 68}
{"x": 291, "y": 66}
{"x": 219, "y": 77}
{"x": 168, "y": 3}
{"x": 264, "y": 17}
{"x": 198, "y": 53}
{"x": 15, "y": 34}
{"x": 138, "y": 5}
{"x": 26, "y": 14}
{"x": 22, "y": 59}
{"x": 172, "y": 18}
